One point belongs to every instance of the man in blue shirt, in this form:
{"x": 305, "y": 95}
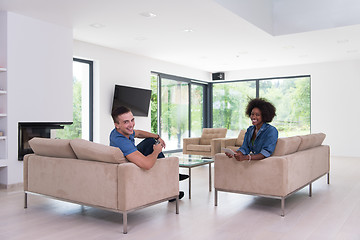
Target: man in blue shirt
{"x": 145, "y": 154}
{"x": 122, "y": 136}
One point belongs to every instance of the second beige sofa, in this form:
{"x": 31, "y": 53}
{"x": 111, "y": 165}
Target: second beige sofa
{"x": 296, "y": 162}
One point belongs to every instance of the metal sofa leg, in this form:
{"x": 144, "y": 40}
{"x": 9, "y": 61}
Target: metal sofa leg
{"x": 125, "y": 222}
{"x": 25, "y": 200}
{"x": 216, "y": 197}
{"x": 177, "y": 204}
{"x": 328, "y": 178}
{"x": 310, "y": 190}
{"x": 282, "y": 206}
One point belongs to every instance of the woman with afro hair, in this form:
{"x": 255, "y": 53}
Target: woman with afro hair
{"x": 260, "y": 138}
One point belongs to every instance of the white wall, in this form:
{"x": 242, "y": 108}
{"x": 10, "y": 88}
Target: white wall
{"x": 116, "y": 67}
{"x": 39, "y": 67}
{"x": 334, "y": 100}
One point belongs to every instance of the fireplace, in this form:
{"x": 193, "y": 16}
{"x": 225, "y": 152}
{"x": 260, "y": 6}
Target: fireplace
{"x": 28, "y": 130}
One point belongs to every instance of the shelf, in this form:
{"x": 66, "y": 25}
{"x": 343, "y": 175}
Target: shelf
{"x": 3, "y": 115}
{"x": 2, "y": 69}
{"x": 2, "y": 92}
{"x": 2, "y": 137}
{"x": 3, "y": 163}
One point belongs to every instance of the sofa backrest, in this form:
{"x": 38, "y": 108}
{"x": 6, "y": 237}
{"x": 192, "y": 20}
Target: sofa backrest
{"x": 52, "y": 147}
{"x": 311, "y": 140}
{"x": 287, "y": 145}
{"x": 87, "y": 150}
{"x": 210, "y": 133}
{"x": 240, "y": 139}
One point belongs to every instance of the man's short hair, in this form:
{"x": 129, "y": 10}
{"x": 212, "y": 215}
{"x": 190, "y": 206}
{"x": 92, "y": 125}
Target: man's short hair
{"x": 119, "y": 111}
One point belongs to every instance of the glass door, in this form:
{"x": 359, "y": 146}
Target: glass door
{"x": 174, "y": 118}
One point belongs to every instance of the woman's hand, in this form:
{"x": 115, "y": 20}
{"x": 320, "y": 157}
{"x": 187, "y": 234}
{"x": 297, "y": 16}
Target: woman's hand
{"x": 240, "y": 156}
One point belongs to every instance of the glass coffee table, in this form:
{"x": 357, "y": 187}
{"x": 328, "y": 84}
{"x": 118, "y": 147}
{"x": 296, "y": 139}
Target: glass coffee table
{"x": 190, "y": 161}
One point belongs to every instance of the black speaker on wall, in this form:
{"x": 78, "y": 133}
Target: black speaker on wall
{"x": 218, "y": 76}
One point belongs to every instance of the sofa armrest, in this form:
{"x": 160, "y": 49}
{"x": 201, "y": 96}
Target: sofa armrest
{"x": 25, "y": 170}
{"x": 307, "y": 165}
{"x": 187, "y": 141}
{"x": 216, "y": 145}
{"x": 227, "y": 142}
{"x": 264, "y": 177}
{"x": 138, "y": 187}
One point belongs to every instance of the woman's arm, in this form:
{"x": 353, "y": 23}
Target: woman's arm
{"x": 269, "y": 144}
{"x": 249, "y": 157}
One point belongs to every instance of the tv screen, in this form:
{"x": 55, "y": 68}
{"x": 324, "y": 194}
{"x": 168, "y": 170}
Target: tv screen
{"x": 137, "y": 99}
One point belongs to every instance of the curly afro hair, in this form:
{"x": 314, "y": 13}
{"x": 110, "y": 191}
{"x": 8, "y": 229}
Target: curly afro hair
{"x": 268, "y": 111}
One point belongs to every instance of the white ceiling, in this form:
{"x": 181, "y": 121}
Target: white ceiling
{"x": 210, "y": 34}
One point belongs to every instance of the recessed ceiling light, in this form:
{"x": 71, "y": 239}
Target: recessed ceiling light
{"x": 342, "y": 41}
{"x": 148, "y": 14}
{"x": 188, "y": 30}
{"x": 352, "y": 51}
{"x": 288, "y": 47}
{"x": 97, "y": 25}
{"x": 140, "y": 38}
{"x": 303, "y": 56}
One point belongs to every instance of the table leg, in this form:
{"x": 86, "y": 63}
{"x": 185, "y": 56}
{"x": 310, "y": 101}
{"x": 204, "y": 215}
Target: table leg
{"x": 189, "y": 183}
{"x": 209, "y": 177}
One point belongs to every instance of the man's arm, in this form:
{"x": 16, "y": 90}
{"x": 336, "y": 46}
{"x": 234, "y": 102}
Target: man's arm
{"x": 145, "y": 134}
{"x": 145, "y": 162}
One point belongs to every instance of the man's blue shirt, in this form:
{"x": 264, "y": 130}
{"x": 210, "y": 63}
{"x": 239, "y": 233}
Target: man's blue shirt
{"x": 126, "y": 145}
{"x": 265, "y": 141}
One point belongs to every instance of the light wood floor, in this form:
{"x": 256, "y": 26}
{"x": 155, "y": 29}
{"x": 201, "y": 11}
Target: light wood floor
{"x": 333, "y": 212}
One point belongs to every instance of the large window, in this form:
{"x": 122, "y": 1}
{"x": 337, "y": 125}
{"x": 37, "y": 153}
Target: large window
{"x": 229, "y": 103}
{"x": 177, "y": 109}
{"x": 182, "y": 107}
{"x": 174, "y": 112}
{"x": 290, "y": 96}
{"x": 82, "y": 126}
{"x": 197, "y": 109}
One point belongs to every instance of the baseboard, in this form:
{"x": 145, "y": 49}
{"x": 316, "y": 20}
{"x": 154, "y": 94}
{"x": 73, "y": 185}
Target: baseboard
{"x": 15, "y": 186}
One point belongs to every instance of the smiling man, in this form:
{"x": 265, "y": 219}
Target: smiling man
{"x": 123, "y": 136}
{"x": 145, "y": 154}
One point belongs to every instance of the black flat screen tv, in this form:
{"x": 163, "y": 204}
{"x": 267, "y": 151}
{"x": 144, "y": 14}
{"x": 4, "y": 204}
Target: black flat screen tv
{"x": 137, "y": 99}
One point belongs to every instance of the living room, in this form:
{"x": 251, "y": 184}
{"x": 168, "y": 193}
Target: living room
{"x": 39, "y": 73}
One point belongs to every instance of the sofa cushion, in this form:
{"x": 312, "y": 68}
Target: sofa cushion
{"x": 210, "y": 133}
{"x": 311, "y": 140}
{"x": 52, "y": 147}
{"x": 240, "y": 139}
{"x": 285, "y": 146}
{"x": 199, "y": 148}
{"x": 87, "y": 150}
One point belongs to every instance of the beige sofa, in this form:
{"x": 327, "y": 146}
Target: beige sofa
{"x": 296, "y": 162}
{"x": 97, "y": 175}
{"x": 206, "y": 145}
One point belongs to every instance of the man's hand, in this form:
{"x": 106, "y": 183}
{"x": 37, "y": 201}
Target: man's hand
{"x": 162, "y": 142}
{"x": 157, "y": 148}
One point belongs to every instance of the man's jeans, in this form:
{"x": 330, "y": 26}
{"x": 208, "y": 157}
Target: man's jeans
{"x": 146, "y": 147}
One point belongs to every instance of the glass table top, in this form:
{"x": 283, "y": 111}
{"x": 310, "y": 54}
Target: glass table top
{"x": 189, "y": 160}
